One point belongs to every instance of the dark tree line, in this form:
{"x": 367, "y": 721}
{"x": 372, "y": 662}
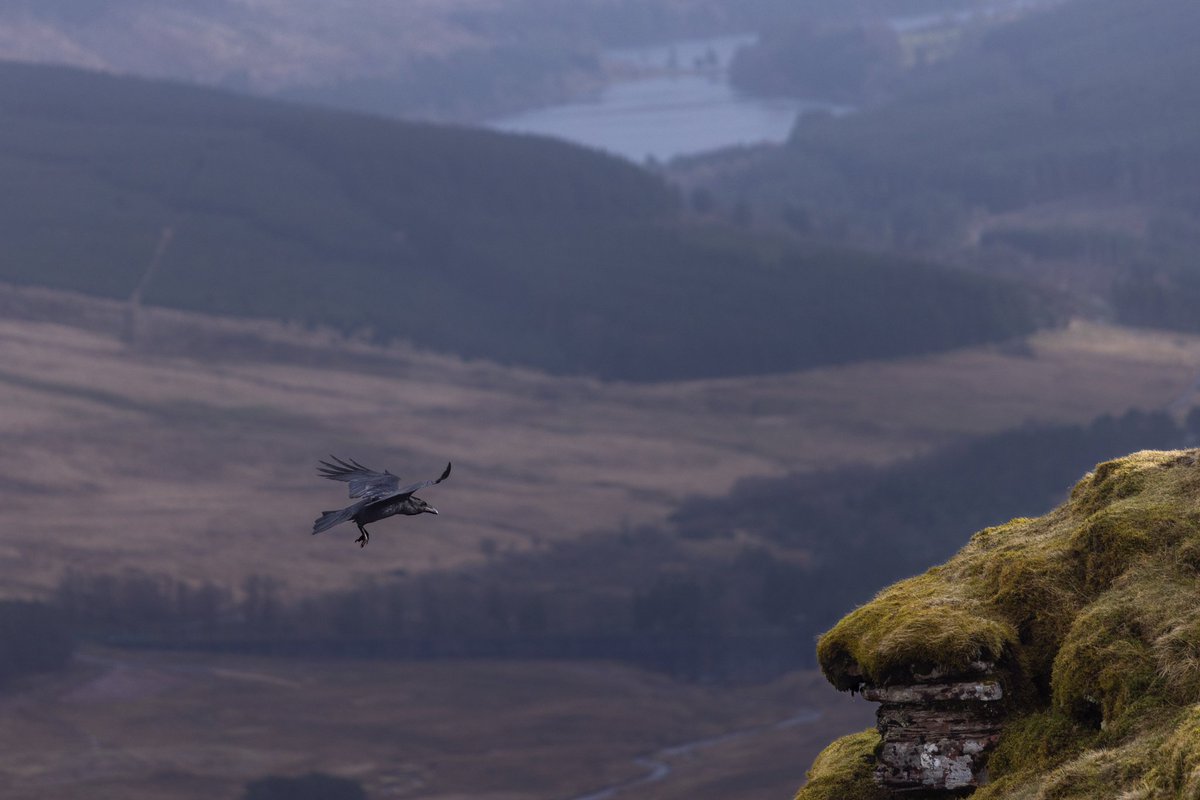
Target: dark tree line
{"x": 864, "y": 528}
{"x": 34, "y": 637}
{"x": 845, "y": 63}
{"x": 1084, "y": 100}
{"x": 690, "y": 624}
{"x": 313, "y": 786}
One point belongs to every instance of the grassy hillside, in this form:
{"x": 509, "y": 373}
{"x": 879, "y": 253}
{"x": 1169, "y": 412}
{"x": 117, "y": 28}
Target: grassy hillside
{"x": 515, "y": 249}
{"x": 1089, "y": 614}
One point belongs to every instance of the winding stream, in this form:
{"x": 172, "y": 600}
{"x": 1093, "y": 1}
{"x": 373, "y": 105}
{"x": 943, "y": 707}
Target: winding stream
{"x": 657, "y": 765}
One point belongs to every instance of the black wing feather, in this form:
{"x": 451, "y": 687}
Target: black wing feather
{"x": 364, "y": 482}
{"x": 415, "y": 487}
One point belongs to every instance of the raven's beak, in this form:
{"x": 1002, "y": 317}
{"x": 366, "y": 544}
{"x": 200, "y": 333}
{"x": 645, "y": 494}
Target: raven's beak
{"x": 430, "y": 510}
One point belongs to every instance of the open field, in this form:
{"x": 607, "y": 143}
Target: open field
{"x": 129, "y": 726}
{"x": 193, "y": 452}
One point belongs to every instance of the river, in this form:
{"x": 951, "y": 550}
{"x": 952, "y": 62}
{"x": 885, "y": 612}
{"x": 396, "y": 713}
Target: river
{"x": 657, "y": 766}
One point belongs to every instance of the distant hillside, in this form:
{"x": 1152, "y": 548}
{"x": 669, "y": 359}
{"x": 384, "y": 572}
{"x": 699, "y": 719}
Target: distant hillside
{"x": 1089, "y": 96}
{"x": 845, "y": 63}
{"x": 1088, "y": 105}
{"x": 1082, "y": 622}
{"x": 516, "y": 249}
{"x": 429, "y": 59}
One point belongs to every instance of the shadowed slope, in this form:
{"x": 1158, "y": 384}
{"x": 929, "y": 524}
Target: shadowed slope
{"x": 512, "y": 249}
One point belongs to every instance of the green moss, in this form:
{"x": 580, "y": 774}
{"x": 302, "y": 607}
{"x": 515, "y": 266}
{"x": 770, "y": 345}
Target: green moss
{"x": 1015, "y": 591}
{"x": 844, "y": 769}
{"x": 1104, "y": 664}
{"x": 1136, "y": 648}
{"x": 906, "y": 628}
{"x": 1091, "y": 615}
{"x": 1028, "y": 588}
{"x": 1099, "y": 773}
{"x": 1112, "y": 480}
{"x": 1177, "y": 771}
{"x": 1110, "y": 540}
{"x": 1037, "y": 742}
{"x": 1078, "y": 768}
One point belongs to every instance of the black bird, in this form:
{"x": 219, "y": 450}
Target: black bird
{"x": 380, "y": 492}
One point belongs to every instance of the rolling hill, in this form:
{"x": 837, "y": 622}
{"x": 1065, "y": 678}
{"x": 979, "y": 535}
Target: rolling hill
{"x": 1062, "y": 141}
{"x": 1088, "y": 96}
{"x": 514, "y": 249}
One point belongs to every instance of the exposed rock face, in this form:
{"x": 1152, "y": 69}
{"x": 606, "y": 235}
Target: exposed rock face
{"x": 936, "y": 736}
{"x": 1076, "y": 630}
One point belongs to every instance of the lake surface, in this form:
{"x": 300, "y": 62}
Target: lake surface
{"x": 921, "y": 22}
{"x": 685, "y": 106}
{"x": 683, "y": 103}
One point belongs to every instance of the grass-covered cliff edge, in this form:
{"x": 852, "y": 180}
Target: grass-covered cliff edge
{"x": 1092, "y": 617}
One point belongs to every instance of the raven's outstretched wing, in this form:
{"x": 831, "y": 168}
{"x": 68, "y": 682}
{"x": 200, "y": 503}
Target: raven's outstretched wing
{"x": 363, "y": 482}
{"x": 415, "y": 487}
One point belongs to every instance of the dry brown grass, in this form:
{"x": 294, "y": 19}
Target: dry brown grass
{"x": 134, "y": 726}
{"x": 193, "y": 454}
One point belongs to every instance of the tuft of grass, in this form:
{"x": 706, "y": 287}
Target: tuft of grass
{"x": 844, "y": 769}
{"x": 909, "y": 628}
{"x": 1177, "y": 771}
{"x": 1037, "y": 742}
{"x": 1091, "y": 617}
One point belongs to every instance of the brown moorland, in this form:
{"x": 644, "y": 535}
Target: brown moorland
{"x": 192, "y": 452}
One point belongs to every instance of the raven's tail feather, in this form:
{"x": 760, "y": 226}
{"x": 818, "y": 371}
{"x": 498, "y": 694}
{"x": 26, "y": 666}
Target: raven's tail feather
{"x": 330, "y": 518}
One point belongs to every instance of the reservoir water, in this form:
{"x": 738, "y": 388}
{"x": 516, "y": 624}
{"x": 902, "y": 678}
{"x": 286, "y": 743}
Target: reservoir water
{"x": 680, "y": 102}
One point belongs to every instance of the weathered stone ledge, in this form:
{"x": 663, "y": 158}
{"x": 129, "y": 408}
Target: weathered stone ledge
{"x": 937, "y": 673}
{"x": 936, "y": 736}
{"x": 982, "y": 691}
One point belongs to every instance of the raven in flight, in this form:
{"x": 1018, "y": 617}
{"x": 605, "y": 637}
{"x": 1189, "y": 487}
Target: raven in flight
{"x": 380, "y": 492}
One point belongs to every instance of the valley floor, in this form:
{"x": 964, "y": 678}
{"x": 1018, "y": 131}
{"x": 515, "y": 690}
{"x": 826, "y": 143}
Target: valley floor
{"x": 129, "y": 726}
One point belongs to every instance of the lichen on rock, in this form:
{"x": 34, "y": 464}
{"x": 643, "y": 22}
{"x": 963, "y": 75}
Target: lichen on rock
{"x": 936, "y": 735}
{"x": 1086, "y": 622}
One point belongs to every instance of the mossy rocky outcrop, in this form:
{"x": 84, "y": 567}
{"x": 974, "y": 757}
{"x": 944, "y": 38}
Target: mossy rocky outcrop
{"x": 1056, "y": 657}
{"x": 936, "y": 735}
